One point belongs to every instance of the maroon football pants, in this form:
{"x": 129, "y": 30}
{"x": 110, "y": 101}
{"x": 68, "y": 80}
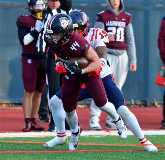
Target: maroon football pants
{"x": 71, "y": 89}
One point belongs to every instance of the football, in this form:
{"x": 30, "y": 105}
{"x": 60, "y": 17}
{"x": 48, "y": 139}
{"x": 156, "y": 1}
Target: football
{"x": 82, "y": 61}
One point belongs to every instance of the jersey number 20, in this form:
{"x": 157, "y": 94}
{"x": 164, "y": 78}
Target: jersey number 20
{"x": 118, "y": 31}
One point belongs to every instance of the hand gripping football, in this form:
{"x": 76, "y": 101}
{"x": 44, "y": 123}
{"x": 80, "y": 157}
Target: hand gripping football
{"x": 82, "y": 61}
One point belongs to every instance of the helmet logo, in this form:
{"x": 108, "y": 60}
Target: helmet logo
{"x": 39, "y": 2}
{"x": 64, "y": 22}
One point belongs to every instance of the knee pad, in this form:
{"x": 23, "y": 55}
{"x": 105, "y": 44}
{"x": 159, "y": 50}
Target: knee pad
{"x": 55, "y": 102}
{"x": 123, "y": 111}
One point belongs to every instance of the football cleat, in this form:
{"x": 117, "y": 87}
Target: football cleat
{"x": 56, "y": 141}
{"x": 122, "y": 130}
{"x": 73, "y": 144}
{"x": 26, "y": 129}
{"x": 94, "y": 123}
{"x": 109, "y": 123}
{"x": 27, "y": 125}
{"x": 52, "y": 128}
{"x": 35, "y": 126}
{"x": 162, "y": 126}
{"x": 43, "y": 119}
{"x": 147, "y": 145}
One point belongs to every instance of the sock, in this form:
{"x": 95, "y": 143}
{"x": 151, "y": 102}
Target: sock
{"x": 58, "y": 113}
{"x": 27, "y": 120}
{"x": 32, "y": 120}
{"x": 143, "y": 140}
{"x": 109, "y": 108}
{"x": 72, "y": 119}
{"x": 63, "y": 134}
{"x": 130, "y": 121}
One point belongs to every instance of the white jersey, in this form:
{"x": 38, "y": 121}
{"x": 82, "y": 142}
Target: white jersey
{"x": 97, "y": 37}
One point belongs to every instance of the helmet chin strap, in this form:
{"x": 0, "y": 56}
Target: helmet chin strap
{"x": 37, "y": 15}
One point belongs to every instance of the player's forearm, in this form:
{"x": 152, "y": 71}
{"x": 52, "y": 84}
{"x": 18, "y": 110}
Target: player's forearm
{"x": 25, "y": 37}
{"x": 102, "y": 52}
{"x": 92, "y": 67}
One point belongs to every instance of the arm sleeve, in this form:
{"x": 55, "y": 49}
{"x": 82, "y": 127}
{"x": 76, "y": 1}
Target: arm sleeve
{"x": 161, "y": 41}
{"x": 131, "y": 49}
{"x": 25, "y": 37}
{"x": 22, "y": 31}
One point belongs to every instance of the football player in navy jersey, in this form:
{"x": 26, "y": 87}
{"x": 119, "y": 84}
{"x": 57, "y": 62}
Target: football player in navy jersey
{"x": 66, "y": 45}
{"x": 97, "y": 39}
{"x": 34, "y": 77}
{"x": 121, "y": 51}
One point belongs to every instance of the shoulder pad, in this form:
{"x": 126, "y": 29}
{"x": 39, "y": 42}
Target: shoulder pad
{"x": 22, "y": 21}
{"x": 97, "y": 34}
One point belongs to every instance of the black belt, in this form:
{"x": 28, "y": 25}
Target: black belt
{"x": 31, "y": 56}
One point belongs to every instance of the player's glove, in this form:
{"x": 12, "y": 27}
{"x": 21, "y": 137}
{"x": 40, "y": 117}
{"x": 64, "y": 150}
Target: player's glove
{"x": 74, "y": 69}
{"x": 60, "y": 68}
{"x": 96, "y": 72}
{"x": 42, "y": 62}
{"x": 38, "y": 25}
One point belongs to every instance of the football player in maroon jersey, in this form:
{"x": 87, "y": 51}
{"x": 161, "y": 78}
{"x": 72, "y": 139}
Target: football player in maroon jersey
{"x": 96, "y": 38}
{"x": 33, "y": 74}
{"x": 121, "y": 51}
{"x": 161, "y": 47}
{"x": 66, "y": 45}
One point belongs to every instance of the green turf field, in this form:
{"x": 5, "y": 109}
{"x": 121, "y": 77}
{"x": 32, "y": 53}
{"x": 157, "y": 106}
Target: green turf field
{"x": 90, "y": 147}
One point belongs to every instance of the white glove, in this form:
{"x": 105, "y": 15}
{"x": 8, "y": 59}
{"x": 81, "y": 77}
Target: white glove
{"x": 38, "y": 25}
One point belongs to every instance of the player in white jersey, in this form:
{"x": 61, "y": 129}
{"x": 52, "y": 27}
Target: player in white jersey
{"x": 96, "y": 38}
{"x": 122, "y": 50}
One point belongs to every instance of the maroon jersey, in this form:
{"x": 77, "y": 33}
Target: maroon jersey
{"x": 115, "y": 25}
{"x": 29, "y": 22}
{"x": 77, "y": 46}
{"x": 161, "y": 41}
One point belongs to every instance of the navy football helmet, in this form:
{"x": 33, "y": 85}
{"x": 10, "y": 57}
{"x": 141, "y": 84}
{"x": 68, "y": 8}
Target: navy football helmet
{"x": 79, "y": 19}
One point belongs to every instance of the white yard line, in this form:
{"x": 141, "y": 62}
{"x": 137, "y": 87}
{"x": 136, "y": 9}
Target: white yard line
{"x": 83, "y": 133}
